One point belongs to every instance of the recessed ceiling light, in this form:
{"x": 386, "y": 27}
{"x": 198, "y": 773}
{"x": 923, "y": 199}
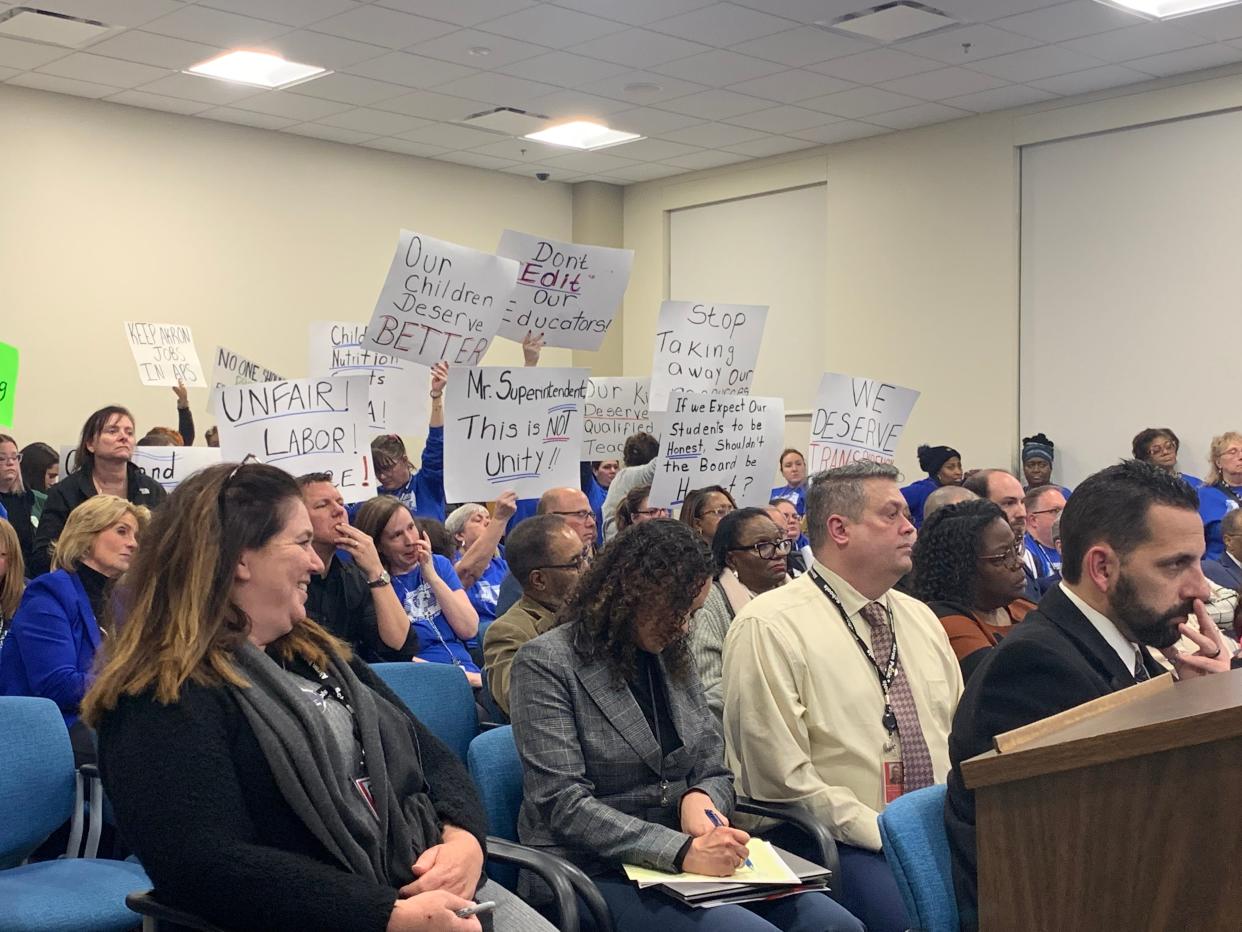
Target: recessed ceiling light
{"x": 480, "y": 51}
{"x": 1168, "y": 9}
{"x": 643, "y": 87}
{"x": 582, "y": 134}
{"x": 259, "y": 69}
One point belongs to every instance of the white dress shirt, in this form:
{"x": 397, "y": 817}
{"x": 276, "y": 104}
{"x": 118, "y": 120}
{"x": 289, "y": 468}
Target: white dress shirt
{"x": 1126, "y": 649}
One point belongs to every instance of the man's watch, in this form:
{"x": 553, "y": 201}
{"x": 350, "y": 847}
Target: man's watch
{"x": 380, "y": 581}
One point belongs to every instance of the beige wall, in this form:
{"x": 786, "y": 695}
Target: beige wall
{"x": 112, "y": 213}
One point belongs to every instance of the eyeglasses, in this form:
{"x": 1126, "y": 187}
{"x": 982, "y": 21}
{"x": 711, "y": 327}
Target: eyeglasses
{"x": 1046, "y": 511}
{"x": 1157, "y": 448}
{"x": 767, "y": 549}
{"x": 653, "y": 512}
{"x": 1010, "y": 557}
{"x": 580, "y": 515}
{"x": 576, "y": 563}
{"x": 7, "y": 458}
{"x": 718, "y": 512}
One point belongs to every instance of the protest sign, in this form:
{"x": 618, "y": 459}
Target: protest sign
{"x": 232, "y": 369}
{"x": 9, "y": 358}
{"x": 440, "y": 301}
{"x": 706, "y": 348}
{"x": 303, "y": 425}
{"x": 170, "y": 465}
{"x": 165, "y": 354}
{"x": 397, "y": 392}
{"x": 856, "y": 419}
{"x": 725, "y": 440}
{"x": 517, "y": 429}
{"x": 567, "y": 291}
{"x": 614, "y": 409}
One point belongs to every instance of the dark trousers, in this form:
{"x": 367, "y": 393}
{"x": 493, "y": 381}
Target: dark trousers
{"x": 870, "y": 890}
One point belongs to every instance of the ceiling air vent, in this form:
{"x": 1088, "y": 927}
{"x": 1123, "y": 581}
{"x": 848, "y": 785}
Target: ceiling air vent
{"x": 506, "y": 120}
{"x": 891, "y": 22}
{"x": 26, "y": 22}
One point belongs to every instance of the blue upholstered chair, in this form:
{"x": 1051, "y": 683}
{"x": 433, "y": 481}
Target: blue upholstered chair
{"x": 917, "y": 850}
{"x": 440, "y": 697}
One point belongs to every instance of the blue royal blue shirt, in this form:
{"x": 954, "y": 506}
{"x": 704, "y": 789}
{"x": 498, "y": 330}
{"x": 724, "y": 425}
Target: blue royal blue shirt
{"x": 1214, "y": 504}
{"x": 791, "y": 493}
{"x": 437, "y": 641}
{"x": 484, "y": 594}
{"x": 916, "y": 494}
{"x": 424, "y": 493}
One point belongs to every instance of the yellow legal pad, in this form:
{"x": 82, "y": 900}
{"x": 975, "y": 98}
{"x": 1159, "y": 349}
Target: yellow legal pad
{"x": 769, "y": 868}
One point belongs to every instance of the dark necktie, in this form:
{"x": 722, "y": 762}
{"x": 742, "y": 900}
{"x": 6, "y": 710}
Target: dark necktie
{"x": 916, "y": 759}
{"x": 1140, "y": 669}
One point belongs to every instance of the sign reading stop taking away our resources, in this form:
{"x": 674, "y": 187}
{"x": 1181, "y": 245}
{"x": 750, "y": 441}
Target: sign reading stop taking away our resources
{"x": 706, "y": 348}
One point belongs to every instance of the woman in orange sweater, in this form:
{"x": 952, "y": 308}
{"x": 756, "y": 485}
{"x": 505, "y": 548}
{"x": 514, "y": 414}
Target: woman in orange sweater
{"x": 968, "y": 568}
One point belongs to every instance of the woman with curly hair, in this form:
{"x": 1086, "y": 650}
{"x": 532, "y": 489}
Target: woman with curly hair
{"x": 968, "y": 568}
{"x": 622, "y": 759}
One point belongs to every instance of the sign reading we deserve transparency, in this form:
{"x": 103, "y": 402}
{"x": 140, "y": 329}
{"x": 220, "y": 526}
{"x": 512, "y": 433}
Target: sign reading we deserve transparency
{"x": 518, "y": 429}
{"x": 706, "y": 348}
{"x": 856, "y": 419}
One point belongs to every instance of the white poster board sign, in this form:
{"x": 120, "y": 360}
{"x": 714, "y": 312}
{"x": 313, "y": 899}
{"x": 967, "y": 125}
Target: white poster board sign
{"x": 856, "y": 419}
{"x": 615, "y": 408}
{"x": 567, "y": 291}
{"x": 440, "y": 301}
{"x": 397, "y": 392}
{"x": 517, "y": 429}
{"x": 705, "y": 348}
{"x": 169, "y": 466}
{"x": 725, "y": 440}
{"x": 234, "y": 369}
{"x": 303, "y": 425}
{"x": 165, "y": 354}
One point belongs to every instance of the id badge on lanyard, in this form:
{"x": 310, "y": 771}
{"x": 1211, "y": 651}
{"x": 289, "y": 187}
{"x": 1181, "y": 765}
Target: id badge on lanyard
{"x": 894, "y": 772}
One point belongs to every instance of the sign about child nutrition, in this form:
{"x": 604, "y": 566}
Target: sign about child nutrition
{"x": 440, "y": 301}
{"x": 517, "y": 429}
{"x": 615, "y": 408}
{"x": 302, "y": 425}
{"x": 705, "y": 348}
{"x": 397, "y": 392}
{"x": 165, "y": 354}
{"x": 856, "y": 419}
{"x": 569, "y": 292}
{"x": 233, "y": 369}
{"x": 725, "y": 440}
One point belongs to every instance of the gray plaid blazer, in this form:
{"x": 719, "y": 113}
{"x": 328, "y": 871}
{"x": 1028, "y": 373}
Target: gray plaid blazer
{"x": 592, "y": 767}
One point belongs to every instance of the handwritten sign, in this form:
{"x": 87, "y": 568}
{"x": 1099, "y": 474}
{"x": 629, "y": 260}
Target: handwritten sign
{"x": 441, "y": 301}
{"x": 725, "y": 440}
{"x": 165, "y": 354}
{"x": 567, "y": 291}
{"x": 397, "y": 392}
{"x": 856, "y": 419}
{"x": 233, "y": 369}
{"x": 9, "y": 358}
{"x": 303, "y": 425}
{"x": 169, "y": 466}
{"x": 517, "y": 429}
{"x": 705, "y": 348}
{"x": 614, "y": 409}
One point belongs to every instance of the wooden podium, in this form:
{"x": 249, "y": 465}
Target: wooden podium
{"x": 1123, "y": 814}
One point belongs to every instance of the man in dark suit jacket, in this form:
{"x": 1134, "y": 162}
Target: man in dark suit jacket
{"x": 1131, "y": 541}
{"x": 1227, "y": 569}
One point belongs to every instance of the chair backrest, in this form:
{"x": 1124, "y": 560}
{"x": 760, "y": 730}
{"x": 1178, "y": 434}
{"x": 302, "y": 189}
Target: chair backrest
{"x": 440, "y": 697}
{"x": 36, "y": 775}
{"x": 917, "y": 849}
{"x": 497, "y": 771}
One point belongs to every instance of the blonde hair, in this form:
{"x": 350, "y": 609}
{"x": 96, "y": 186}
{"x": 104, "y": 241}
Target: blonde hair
{"x": 14, "y": 582}
{"x": 87, "y": 521}
{"x": 1219, "y": 445}
{"x": 180, "y": 622}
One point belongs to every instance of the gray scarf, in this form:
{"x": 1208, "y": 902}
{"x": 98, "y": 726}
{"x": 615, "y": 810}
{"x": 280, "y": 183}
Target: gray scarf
{"x": 316, "y": 782}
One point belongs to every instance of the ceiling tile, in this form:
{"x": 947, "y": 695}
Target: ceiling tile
{"x": 656, "y": 150}
{"x": 918, "y": 115}
{"x": 713, "y": 135}
{"x": 805, "y": 45}
{"x": 648, "y": 171}
{"x": 499, "y": 89}
{"x": 433, "y": 106}
{"x": 83, "y": 66}
{"x": 666, "y": 88}
{"x": 330, "y": 133}
{"x": 650, "y": 122}
{"x": 1067, "y": 21}
{"x": 410, "y": 70}
{"x": 875, "y": 66}
{"x": 476, "y": 160}
{"x": 551, "y": 26}
{"x": 561, "y": 104}
{"x": 319, "y": 48}
{"x": 1134, "y": 42}
{"x": 349, "y": 89}
{"x": 1092, "y": 79}
{"x": 204, "y": 90}
{"x": 782, "y": 119}
{"x": 979, "y": 11}
{"x": 451, "y": 136}
{"x": 718, "y": 68}
{"x": 1169, "y": 63}
{"x": 381, "y": 26}
{"x": 564, "y": 69}
{"x": 286, "y": 104}
{"x": 247, "y": 118}
{"x": 157, "y": 102}
{"x": 289, "y": 12}
{"x": 214, "y": 27}
{"x": 839, "y": 132}
{"x": 634, "y": 12}
{"x": 373, "y": 122}
{"x": 591, "y": 161}
{"x": 1033, "y": 64}
{"x": 721, "y": 24}
{"x": 639, "y": 48}
{"x": 1215, "y": 24}
{"x": 770, "y": 145}
{"x": 946, "y": 82}
{"x": 1000, "y": 98}
{"x": 15, "y": 53}
{"x": 859, "y": 102}
{"x": 128, "y": 13}
{"x": 527, "y": 170}
{"x": 149, "y": 49}
{"x": 405, "y": 147}
{"x": 59, "y": 85}
{"x": 701, "y": 160}
{"x": 791, "y": 86}
{"x": 456, "y": 46}
{"x": 983, "y": 41}
{"x": 715, "y": 104}
{"x": 458, "y": 12}
{"x": 520, "y": 150}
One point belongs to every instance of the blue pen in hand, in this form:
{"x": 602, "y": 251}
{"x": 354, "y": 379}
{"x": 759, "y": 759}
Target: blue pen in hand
{"x": 715, "y": 820}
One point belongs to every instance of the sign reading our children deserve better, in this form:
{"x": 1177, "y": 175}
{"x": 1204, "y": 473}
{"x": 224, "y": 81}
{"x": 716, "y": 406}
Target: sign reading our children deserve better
{"x": 709, "y": 348}
{"x": 567, "y": 291}
{"x": 856, "y": 419}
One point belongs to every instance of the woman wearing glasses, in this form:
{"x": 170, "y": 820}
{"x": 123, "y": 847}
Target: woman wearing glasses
{"x": 967, "y": 567}
{"x": 703, "y": 508}
{"x": 17, "y": 503}
{"x": 749, "y": 551}
{"x": 635, "y": 508}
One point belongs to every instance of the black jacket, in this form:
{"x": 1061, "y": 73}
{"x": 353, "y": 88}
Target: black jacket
{"x": 72, "y": 491}
{"x": 20, "y": 506}
{"x": 195, "y": 799}
{"x": 1053, "y": 661}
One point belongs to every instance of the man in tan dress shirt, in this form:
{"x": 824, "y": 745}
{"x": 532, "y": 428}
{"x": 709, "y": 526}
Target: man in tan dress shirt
{"x": 817, "y": 709}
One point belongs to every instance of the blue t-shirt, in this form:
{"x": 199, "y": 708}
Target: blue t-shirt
{"x": 484, "y": 593}
{"x": 424, "y": 493}
{"x": 1193, "y": 481}
{"x": 1214, "y": 504}
{"x": 791, "y": 493}
{"x": 437, "y": 642}
{"x": 916, "y": 494}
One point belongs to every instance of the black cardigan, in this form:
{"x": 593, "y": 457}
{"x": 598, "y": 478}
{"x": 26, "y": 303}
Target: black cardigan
{"x": 195, "y": 799}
